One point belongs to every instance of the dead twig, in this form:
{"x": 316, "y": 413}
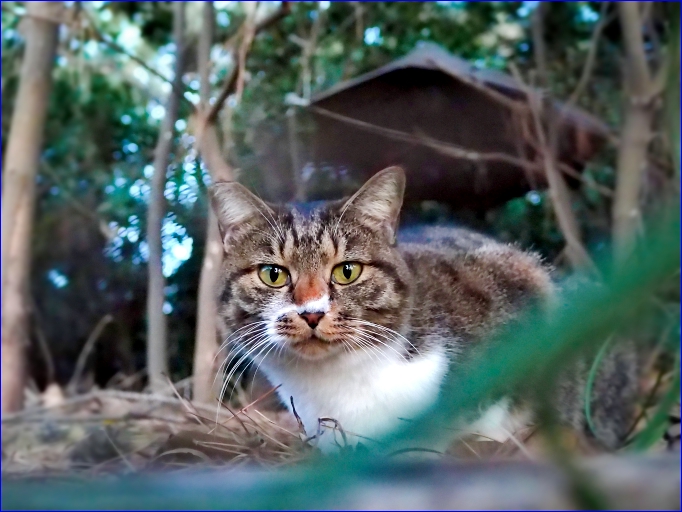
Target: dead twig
{"x": 189, "y": 406}
{"x": 85, "y": 352}
{"x": 518, "y": 106}
{"x": 262, "y": 397}
{"x": 234, "y": 415}
{"x": 301, "y": 427}
{"x": 337, "y": 426}
{"x": 99, "y": 395}
{"x": 244, "y": 409}
{"x": 118, "y": 451}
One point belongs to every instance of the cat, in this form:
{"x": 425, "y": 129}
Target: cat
{"x": 359, "y": 328}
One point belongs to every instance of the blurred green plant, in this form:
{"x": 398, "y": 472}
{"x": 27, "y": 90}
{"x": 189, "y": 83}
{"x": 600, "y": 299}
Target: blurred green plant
{"x": 529, "y": 352}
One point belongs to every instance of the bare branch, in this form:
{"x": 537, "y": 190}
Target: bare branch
{"x": 245, "y": 46}
{"x": 86, "y": 351}
{"x": 231, "y": 80}
{"x": 591, "y": 59}
{"x": 309, "y": 48}
{"x": 539, "y": 46}
{"x": 454, "y": 151}
{"x": 558, "y": 190}
{"x": 440, "y": 146}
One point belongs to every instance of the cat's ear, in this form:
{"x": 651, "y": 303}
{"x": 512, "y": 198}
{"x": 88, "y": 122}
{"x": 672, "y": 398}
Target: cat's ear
{"x": 379, "y": 200}
{"x": 234, "y": 206}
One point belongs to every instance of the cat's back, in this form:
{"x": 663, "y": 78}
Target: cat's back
{"x": 447, "y": 237}
{"x": 467, "y": 282}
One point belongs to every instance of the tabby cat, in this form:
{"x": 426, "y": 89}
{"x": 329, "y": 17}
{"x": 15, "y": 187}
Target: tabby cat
{"x": 359, "y": 328}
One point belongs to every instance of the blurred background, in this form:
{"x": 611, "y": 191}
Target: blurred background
{"x": 551, "y": 125}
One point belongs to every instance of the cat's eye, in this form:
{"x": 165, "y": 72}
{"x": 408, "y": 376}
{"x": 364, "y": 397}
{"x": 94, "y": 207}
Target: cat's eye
{"x": 346, "y": 272}
{"x": 273, "y": 275}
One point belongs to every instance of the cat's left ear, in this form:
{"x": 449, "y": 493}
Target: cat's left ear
{"x": 378, "y": 202}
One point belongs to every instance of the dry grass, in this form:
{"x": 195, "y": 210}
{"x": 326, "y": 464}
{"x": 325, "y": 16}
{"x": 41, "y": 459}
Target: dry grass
{"x": 113, "y": 432}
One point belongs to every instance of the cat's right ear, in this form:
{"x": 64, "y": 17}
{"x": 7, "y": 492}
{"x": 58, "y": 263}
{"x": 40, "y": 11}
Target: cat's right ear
{"x": 379, "y": 200}
{"x": 234, "y": 206}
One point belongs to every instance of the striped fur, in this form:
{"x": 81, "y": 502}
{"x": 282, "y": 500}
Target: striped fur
{"x": 384, "y": 342}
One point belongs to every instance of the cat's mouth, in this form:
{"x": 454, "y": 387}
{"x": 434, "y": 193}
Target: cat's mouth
{"x": 313, "y": 347}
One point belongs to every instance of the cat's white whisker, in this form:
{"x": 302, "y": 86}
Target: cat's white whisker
{"x": 369, "y": 348}
{"x": 274, "y": 346}
{"x": 227, "y": 340}
{"x": 354, "y": 343}
{"x": 267, "y": 346}
{"x": 237, "y": 351}
{"x": 226, "y": 361}
{"x": 227, "y": 381}
{"x": 372, "y": 337}
{"x": 258, "y": 342}
{"x": 387, "y": 329}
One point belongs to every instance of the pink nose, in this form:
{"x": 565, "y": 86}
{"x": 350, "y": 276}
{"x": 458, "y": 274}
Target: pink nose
{"x": 312, "y": 319}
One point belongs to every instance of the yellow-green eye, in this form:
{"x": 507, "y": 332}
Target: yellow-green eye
{"x": 346, "y": 272}
{"x": 273, "y": 275}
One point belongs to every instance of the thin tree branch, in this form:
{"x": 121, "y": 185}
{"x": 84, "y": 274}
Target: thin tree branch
{"x": 85, "y": 352}
{"x": 42, "y": 342}
{"x": 247, "y": 40}
{"x": 558, "y": 191}
{"x": 231, "y": 79}
{"x": 454, "y": 151}
{"x": 591, "y": 59}
{"x": 309, "y": 48}
{"x": 539, "y": 46}
{"x": 518, "y": 106}
{"x": 445, "y": 148}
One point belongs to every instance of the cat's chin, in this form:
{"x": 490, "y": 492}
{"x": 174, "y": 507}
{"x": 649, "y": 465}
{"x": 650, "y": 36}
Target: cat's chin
{"x": 314, "y": 348}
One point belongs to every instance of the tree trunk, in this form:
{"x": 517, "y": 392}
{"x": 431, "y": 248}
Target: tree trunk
{"x": 157, "y": 363}
{"x": 206, "y": 344}
{"x": 636, "y": 134}
{"x": 18, "y": 192}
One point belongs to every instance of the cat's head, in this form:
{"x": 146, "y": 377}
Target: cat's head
{"x": 316, "y": 281}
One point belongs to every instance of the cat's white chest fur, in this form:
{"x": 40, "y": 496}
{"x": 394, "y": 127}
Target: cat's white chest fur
{"x": 368, "y": 396}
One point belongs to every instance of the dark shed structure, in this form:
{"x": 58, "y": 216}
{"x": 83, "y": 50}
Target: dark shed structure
{"x": 465, "y": 136}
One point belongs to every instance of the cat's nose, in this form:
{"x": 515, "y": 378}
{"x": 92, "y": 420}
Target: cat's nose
{"x": 312, "y": 319}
